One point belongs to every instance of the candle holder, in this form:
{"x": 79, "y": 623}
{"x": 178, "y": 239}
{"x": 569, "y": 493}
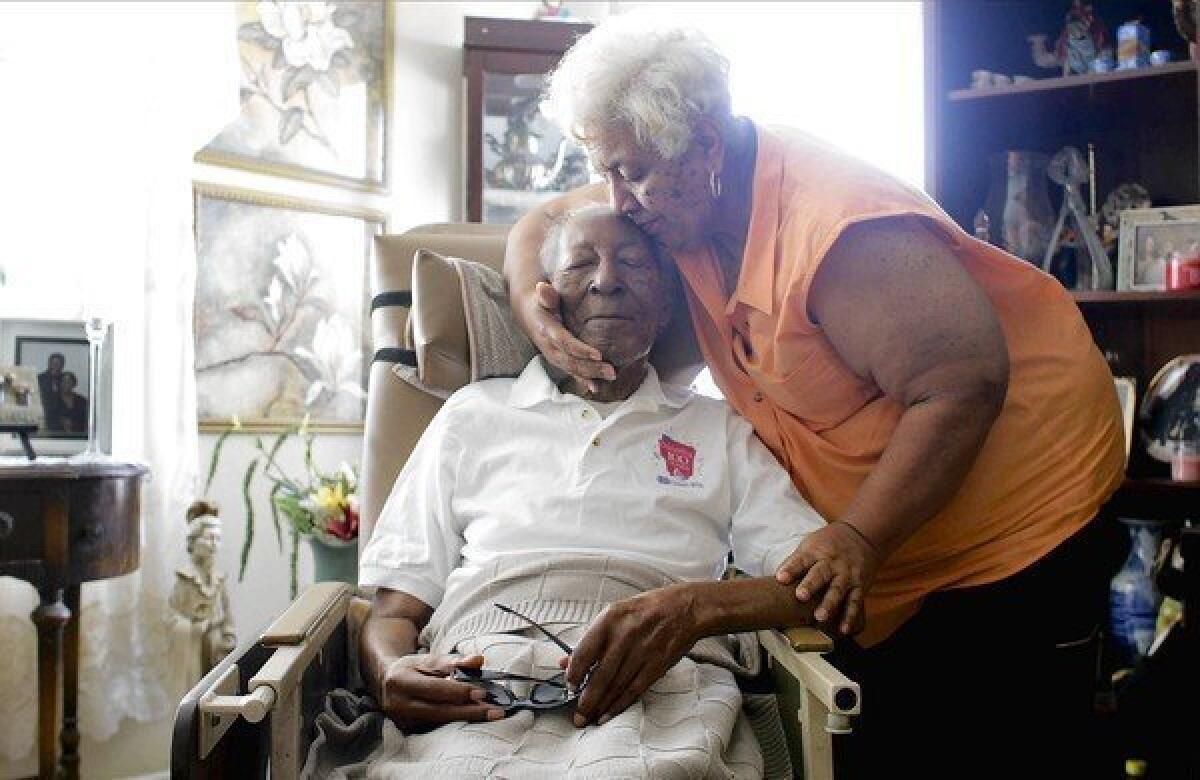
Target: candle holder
{"x": 96, "y": 329}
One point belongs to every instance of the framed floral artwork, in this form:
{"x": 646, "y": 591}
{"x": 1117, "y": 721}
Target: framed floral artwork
{"x": 281, "y": 311}
{"x": 315, "y": 89}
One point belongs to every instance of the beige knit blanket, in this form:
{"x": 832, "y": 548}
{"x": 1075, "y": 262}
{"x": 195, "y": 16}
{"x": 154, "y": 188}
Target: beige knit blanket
{"x": 693, "y": 723}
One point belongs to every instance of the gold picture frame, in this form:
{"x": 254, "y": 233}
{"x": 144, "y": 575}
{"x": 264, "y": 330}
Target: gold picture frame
{"x": 287, "y": 84}
{"x": 281, "y": 324}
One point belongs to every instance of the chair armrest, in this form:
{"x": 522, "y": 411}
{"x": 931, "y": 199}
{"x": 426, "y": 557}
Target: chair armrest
{"x": 814, "y": 697}
{"x": 835, "y": 691}
{"x": 804, "y": 639}
{"x": 316, "y": 604}
{"x": 297, "y": 637}
{"x": 300, "y": 633}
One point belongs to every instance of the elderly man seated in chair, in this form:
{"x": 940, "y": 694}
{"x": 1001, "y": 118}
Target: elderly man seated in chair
{"x": 548, "y": 563}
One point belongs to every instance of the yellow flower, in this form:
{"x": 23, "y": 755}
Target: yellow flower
{"x": 330, "y": 498}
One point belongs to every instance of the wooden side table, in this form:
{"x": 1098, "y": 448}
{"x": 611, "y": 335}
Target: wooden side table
{"x": 63, "y": 524}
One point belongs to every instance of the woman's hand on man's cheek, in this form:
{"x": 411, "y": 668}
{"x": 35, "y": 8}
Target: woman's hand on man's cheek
{"x": 628, "y": 648}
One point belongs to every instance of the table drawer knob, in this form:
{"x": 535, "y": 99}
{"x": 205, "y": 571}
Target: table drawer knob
{"x": 6, "y": 524}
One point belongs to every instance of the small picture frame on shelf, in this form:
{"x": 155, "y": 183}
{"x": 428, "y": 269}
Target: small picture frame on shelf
{"x": 20, "y": 401}
{"x": 1147, "y": 239}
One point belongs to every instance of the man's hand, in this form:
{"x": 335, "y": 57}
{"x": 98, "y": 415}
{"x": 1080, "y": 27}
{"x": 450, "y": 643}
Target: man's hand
{"x": 417, "y": 694}
{"x": 558, "y": 345}
{"x": 838, "y": 565}
{"x": 627, "y": 649}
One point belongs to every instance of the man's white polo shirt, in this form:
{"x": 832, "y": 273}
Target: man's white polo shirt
{"x": 668, "y": 478}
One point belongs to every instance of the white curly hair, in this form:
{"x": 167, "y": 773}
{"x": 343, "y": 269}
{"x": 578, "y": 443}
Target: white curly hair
{"x": 655, "y": 79}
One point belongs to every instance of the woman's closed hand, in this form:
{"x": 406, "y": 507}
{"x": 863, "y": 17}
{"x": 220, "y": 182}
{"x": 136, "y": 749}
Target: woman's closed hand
{"x": 557, "y": 343}
{"x": 837, "y": 565}
{"x": 417, "y": 693}
{"x": 627, "y": 649}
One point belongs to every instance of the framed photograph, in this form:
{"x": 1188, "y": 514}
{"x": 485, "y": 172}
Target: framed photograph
{"x": 56, "y": 353}
{"x": 315, "y": 93}
{"x": 281, "y": 311}
{"x": 1147, "y": 239}
{"x": 63, "y": 376}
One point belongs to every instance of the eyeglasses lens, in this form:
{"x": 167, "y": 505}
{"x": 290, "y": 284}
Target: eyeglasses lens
{"x": 498, "y": 694}
{"x": 544, "y": 693}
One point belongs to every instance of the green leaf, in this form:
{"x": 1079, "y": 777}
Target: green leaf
{"x": 290, "y": 124}
{"x": 246, "y": 499}
{"x": 216, "y": 455}
{"x": 275, "y": 515}
{"x": 292, "y": 563}
{"x": 308, "y": 456}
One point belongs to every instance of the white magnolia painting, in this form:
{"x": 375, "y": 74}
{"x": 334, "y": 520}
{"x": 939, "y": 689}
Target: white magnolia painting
{"x": 313, "y": 92}
{"x": 280, "y": 314}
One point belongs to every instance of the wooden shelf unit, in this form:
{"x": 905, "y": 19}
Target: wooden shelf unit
{"x": 1173, "y": 501}
{"x": 1145, "y": 125}
{"x": 1138, "y": 297}
{"x": 1185, "y": 70}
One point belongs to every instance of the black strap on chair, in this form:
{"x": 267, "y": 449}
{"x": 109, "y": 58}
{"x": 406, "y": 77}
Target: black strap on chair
{"x": 392, "y": 298}
{"x": 399, "y": 355}
{"x": 396, "y": 355}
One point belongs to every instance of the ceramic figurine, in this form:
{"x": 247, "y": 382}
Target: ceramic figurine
{"x": 1068, "y": 170}
{"x": 1083, "y": 40}
{"x": 1187, "y": 16}
{"x": 1133, "y": 45}
{"x": 1018, "y": 204}
{"x": 1129, "y": 195}
{"x": 202, "y": 632}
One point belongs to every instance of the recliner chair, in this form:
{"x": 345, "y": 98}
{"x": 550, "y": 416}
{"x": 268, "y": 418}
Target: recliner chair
{"x": 252, "y": 715}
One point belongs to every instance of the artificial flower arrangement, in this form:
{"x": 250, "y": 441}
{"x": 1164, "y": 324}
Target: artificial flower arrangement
{"x": 319, "y": 505}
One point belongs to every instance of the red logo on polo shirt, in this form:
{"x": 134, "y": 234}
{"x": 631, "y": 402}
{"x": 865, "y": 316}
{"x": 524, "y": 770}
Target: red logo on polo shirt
{"x": 680, "y": 458}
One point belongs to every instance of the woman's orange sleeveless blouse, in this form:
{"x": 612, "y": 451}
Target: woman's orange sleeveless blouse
{"x": 1054, "y": 455}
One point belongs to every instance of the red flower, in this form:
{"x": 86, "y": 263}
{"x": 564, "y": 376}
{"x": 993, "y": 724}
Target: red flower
{"x": 346, "y": 526}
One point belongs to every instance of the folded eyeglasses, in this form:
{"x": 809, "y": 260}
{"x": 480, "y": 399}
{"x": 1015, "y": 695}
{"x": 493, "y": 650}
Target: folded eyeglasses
{"x": 545, "y": 694}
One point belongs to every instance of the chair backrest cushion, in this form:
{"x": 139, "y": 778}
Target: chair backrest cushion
{"x": 397, "y": 412}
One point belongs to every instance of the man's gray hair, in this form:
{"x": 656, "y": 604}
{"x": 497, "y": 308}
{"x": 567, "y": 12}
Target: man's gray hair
{"x": 655, "y": 79}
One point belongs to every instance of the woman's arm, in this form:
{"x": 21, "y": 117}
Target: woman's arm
{"x": 413, "y": 689}
{"x": 534, "y": 303}
{"x": 932, "y": 343}
{"x": 634, "y": 642}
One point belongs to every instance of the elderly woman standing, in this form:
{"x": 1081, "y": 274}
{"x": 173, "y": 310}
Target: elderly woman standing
{"x": 939, "y": 401}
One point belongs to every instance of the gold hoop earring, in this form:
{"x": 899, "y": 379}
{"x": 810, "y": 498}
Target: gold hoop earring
{"x": 714, "y": 184}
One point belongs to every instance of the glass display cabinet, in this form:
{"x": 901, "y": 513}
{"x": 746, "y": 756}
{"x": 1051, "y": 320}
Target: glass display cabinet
{"x": 516, "y": 158}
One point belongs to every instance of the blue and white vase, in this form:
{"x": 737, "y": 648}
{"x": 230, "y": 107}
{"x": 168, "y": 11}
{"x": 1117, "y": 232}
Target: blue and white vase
{"x": 1133, "y": 598}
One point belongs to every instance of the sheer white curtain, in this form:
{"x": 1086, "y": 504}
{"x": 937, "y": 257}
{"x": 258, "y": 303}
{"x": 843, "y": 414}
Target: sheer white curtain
{"x": 104, "y": 105}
